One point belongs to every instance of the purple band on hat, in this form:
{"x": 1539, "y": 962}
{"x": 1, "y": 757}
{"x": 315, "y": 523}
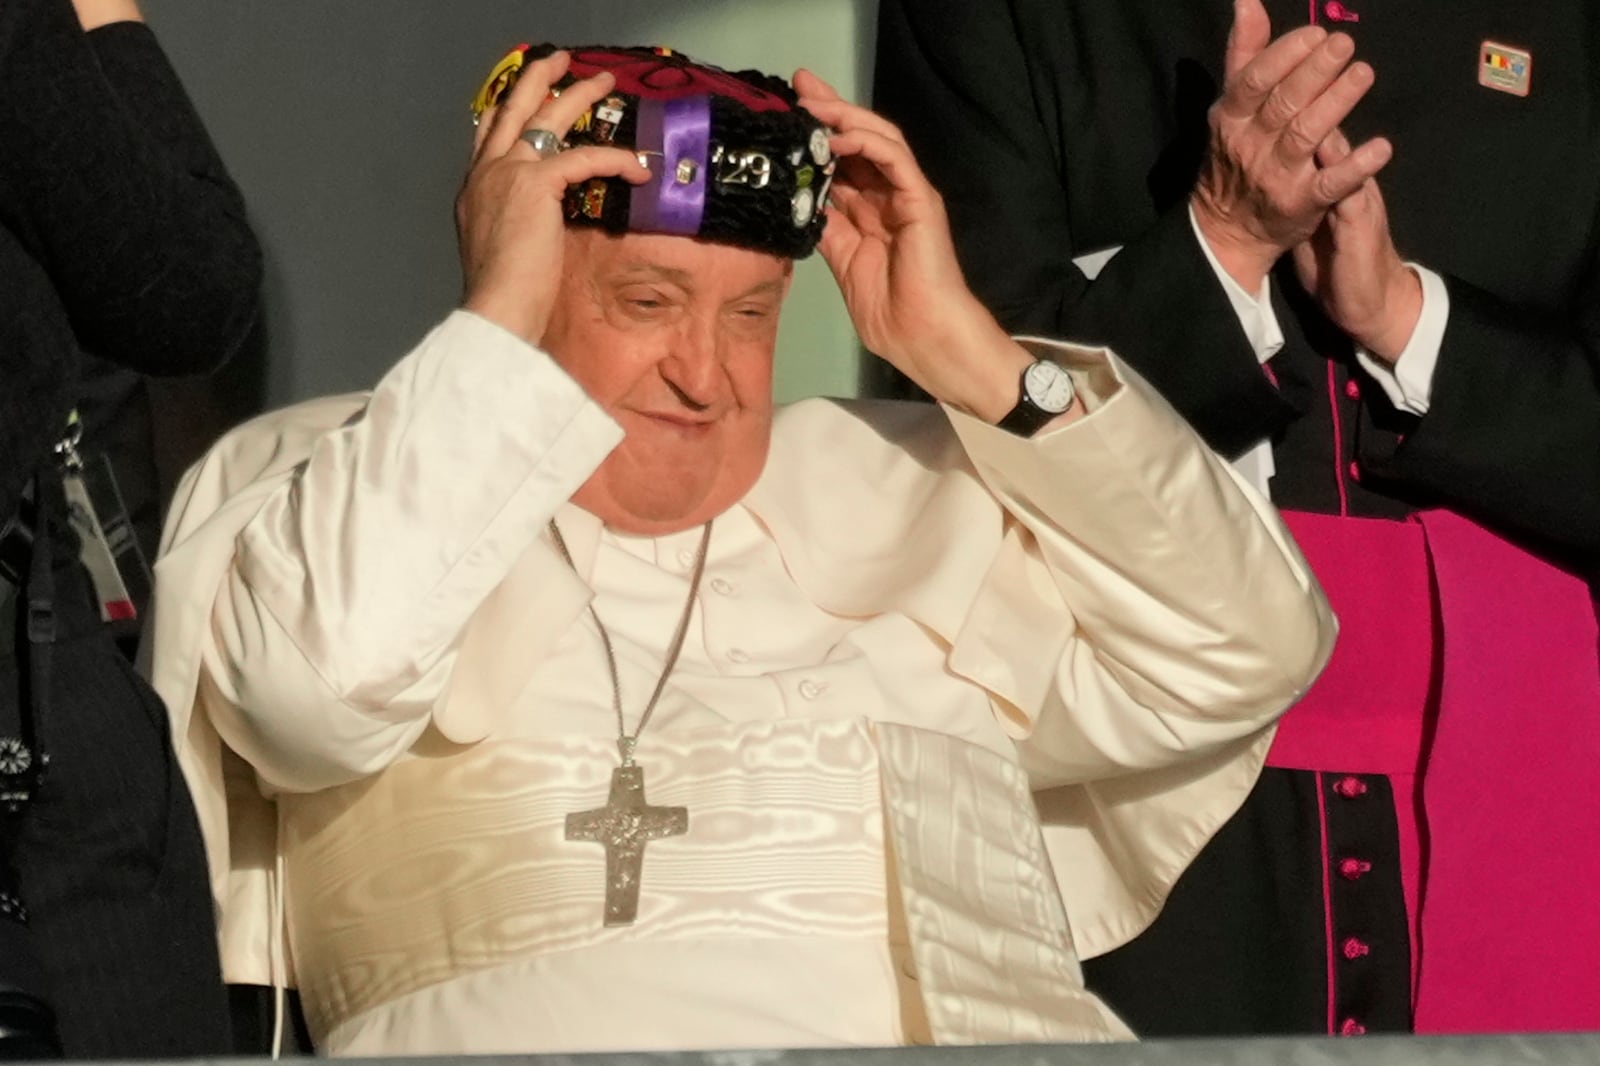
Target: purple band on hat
{"x": 681, "y": 131}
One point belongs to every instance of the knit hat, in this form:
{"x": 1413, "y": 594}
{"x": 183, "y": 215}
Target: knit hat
{"x": 732, "y": 156}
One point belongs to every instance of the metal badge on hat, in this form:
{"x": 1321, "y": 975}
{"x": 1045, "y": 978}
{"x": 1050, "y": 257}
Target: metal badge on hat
{"x": 601, "y": 120}
{"x": 608, "y": 116}
{"x": 736, "y": 166}
{"x": 811, "y": 195}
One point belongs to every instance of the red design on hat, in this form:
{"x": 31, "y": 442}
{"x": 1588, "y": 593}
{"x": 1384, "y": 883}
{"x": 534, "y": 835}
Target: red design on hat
{"x": 663, "y": 74}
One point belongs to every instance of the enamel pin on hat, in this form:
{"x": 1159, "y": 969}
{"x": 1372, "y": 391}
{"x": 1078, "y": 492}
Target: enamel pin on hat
{"x": 1504, "y": 68}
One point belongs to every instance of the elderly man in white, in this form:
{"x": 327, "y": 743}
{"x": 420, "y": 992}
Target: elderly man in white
{"x": 561, "y": 694}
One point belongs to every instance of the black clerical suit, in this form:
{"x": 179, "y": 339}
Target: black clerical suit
{"x": 1056, "y": 128}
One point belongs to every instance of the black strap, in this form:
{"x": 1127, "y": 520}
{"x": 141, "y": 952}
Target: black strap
{"x": 41, "y": 594}
{"x": 22, "y": 760}
{"x": 16, "y": 546}
{"x": 27, "y": 1022}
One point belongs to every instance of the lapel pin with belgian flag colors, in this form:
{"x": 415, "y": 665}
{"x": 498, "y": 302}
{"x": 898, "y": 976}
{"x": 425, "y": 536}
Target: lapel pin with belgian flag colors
{"x": 1504, "y": 68}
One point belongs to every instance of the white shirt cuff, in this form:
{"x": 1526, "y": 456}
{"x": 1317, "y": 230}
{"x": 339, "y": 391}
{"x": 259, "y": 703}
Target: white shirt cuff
{"x": 1260, "y": 324}
{"x": 1409, "y": 383}
{"x": 1255, "y": 314}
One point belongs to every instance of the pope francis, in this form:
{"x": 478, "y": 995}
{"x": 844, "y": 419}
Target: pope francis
{"x": 562, "y": 694}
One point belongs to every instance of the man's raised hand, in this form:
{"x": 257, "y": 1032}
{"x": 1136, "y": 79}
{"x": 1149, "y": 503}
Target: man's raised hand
{"x": 888, "y": 244}
{"x": 509, "y": 219}
{"x": 1261, "y": 191}
{"x": 1352, "y": 268}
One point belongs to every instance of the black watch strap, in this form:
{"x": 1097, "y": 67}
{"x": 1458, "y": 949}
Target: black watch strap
{"x": 1025, "y": 419}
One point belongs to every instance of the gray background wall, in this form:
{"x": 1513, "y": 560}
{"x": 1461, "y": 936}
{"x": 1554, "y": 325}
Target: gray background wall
{"x": 346, "y": 123}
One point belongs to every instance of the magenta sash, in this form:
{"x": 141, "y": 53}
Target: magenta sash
{"x": 1473, "y": 667}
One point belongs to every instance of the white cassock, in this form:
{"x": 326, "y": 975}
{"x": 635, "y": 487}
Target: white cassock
{"x": 389, "y": 696}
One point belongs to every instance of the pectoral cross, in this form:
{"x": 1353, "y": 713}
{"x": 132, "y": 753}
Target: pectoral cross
{"x": 623, "y": 827}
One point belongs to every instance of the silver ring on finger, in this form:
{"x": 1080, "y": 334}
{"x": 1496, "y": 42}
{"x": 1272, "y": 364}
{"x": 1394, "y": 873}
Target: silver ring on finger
{"x": 546, "y": 145}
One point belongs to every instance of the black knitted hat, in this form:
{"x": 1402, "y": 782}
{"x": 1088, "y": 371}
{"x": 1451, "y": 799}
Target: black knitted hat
{"x": 733, "y": 157}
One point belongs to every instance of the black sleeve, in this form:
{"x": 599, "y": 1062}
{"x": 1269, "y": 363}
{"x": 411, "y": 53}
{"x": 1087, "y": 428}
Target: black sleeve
{"x": 954, "y": 75}
{"x": 110, "y": 182}
{"x": 38, "y": 366}
{"x": 1512, "y": 433}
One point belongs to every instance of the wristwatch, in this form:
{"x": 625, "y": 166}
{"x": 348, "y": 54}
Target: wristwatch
{"x": 1046, "y": 392}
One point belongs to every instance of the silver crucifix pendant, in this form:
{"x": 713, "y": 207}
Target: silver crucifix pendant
{"x": 623, "y": 827}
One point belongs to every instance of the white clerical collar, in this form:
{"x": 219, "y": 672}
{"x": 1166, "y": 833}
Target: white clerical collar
{"x": 667, "y": 552}
{"x": 584, "y": 533}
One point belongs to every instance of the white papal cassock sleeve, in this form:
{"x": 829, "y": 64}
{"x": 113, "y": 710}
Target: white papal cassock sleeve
{"x": 340, "y": 618}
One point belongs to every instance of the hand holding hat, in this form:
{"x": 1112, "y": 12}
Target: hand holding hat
{"x": 888, "y": 244}
{"x": 510, "y": 217}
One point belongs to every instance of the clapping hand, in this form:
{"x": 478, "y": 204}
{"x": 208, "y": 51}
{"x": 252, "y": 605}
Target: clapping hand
{"x": 1352, "y": 268}
{"x": 1262, "y": 190}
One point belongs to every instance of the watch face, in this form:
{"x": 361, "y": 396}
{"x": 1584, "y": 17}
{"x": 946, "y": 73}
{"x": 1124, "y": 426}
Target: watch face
{"x": 1049, "y": 387}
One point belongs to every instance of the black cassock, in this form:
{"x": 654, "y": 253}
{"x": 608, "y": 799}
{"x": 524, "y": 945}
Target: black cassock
{"x": 1057, "y": 128}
